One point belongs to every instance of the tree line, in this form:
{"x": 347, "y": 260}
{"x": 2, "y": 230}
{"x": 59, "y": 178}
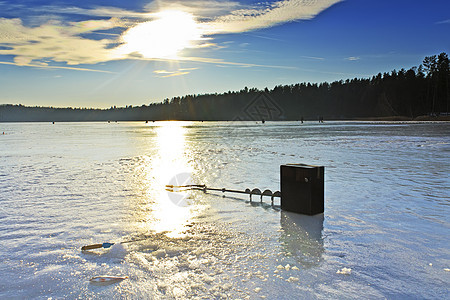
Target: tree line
{"x": 418, "y": 91}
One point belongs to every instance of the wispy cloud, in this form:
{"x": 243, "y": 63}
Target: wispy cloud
{"x": 54, "y": 10}
{"x": 218, "y": 61}
{"x": 353, "y": 58}
{"x": 269, "y": 15}
{"x": 444, "y": 22}
{"x": 46, "y": 66}
{"x": 313, "y": 57}
{"x": 56, "y": 42}
{"x": 265, "y": 37}
{"x": 179, "y": 72}
{"x": 222, "y": 63}
{"x": 207, "y": 9}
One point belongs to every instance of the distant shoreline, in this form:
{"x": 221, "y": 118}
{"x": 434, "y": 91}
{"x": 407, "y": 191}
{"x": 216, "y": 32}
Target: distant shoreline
{"x": 394, "y": 119}
{"x": 403, "y": 118}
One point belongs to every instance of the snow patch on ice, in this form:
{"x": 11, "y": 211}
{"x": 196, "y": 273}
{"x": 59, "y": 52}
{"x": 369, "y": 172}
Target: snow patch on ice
{"x": 344, "y": 271}
{"x": 117, "y": 251}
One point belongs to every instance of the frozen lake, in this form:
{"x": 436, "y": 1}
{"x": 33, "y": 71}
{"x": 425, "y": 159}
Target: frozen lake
{"x": 63, "y": 186}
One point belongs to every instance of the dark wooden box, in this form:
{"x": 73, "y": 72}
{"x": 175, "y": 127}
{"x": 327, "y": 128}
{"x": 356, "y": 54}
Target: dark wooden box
{"x": 302, "y": 188}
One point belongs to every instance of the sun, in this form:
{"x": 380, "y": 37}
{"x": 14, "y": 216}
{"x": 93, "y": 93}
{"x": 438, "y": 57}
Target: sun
{"x": 165, "y": 37}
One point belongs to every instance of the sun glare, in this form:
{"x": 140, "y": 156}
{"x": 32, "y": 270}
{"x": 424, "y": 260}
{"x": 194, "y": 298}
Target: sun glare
{"x": 167, "y": 35}
{"x": 169, "y": 212}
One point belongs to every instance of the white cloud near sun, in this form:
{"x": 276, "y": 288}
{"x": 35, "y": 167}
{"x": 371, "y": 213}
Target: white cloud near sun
{"x": 161, "y": 33}
{"x": 277, "y": 13}
{"x": 54, "y": 41}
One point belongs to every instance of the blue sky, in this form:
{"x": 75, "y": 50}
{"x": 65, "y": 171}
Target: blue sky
{"x": 102, "y": 53}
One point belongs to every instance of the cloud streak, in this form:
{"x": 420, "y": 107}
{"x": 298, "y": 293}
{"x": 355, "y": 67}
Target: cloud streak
{"x": 179, "y": 72}
{"x": 46, "y": 66}
{"x": 218, "y": 61}
{"x": 280, "y": 12}
{"x": 444, "y": 22}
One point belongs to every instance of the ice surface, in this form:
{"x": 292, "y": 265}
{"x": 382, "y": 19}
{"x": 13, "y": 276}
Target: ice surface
{"x": 67, "y": 185}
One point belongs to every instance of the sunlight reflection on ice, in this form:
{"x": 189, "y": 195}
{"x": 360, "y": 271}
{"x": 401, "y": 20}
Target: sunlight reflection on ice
{"x": 165, "y": 215}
